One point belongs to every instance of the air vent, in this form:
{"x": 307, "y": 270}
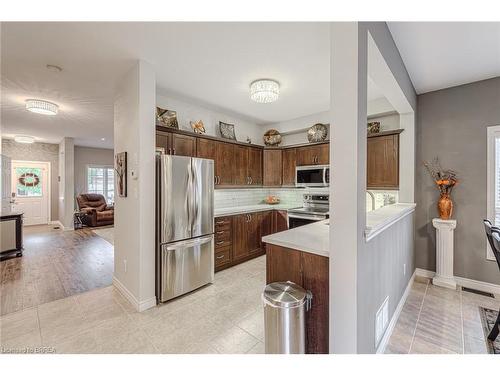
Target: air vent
{"x": 486, "y": 294}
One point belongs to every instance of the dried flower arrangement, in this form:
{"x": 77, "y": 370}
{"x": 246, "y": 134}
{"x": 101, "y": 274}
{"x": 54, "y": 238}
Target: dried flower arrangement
{"x": 445, "y": 180}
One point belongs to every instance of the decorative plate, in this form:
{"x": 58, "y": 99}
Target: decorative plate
{"x": 317, "y": 133}
{"x": 167, "y": 118}
{"x": 373, "y": 127}
{"x": 272, "y": 138}
{"x": 227, "y": 130}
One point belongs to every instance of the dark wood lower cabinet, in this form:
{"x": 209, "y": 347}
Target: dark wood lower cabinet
{"x": 311, "y": 272}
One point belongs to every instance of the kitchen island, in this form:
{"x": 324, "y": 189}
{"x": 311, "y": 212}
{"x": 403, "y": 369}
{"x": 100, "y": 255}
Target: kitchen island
{"x": 301, "y": 255}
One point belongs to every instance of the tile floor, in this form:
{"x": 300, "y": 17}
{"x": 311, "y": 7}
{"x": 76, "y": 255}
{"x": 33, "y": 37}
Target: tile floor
{"x": 225, "y": 317}
{"x": 440, "y": 320}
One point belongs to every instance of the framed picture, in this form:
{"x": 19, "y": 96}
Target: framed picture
{"x": 227, "y": 130}
{"x": 121, "y": 173}
{"x": 166, "y": 118}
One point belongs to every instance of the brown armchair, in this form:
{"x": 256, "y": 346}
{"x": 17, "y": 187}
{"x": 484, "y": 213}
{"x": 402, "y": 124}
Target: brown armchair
{"x": 96, "y": 211}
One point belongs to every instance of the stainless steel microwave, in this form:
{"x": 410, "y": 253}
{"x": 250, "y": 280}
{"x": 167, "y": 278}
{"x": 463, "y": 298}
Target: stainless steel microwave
{"x": 312, "y": 176}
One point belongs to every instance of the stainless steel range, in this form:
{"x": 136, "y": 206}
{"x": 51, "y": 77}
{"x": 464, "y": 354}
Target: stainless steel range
{"x": 315, "y": 208}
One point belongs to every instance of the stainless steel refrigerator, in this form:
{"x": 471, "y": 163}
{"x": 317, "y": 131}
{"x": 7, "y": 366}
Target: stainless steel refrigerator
{"x": 185, "y": 225}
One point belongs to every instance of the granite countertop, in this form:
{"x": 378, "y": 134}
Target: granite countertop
{"x": 315, "y": 238}
{"x": 312, "y": 238}
{"x": 253, "y": 208}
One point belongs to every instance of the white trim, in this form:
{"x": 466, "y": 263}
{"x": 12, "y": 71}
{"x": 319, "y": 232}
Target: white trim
{"x": 390, "y": 327}
{"x": 105, "y": 182}
{"x": 493, "y": 132}
{"x": 462, "y": 281}
{"x": 138, "y": 305}
{"x": 372, "y": 232}
{"x": 56, "y": 222}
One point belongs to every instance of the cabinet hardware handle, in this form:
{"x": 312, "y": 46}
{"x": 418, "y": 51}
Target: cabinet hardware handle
{"x": 220, "y": 242}
{"x": 220, "y": 257}
{"x": 221, "y": 232}
{"x": 251, "y": 180}
{"x": 220, "y": 222}
{"x": 170, "y": 151}
{"x": 174, "y": 151}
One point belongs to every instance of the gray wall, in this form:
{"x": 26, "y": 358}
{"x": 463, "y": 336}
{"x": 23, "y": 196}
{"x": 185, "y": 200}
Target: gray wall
{"x": 38, "y": 152}
{"x": 380, "y": 274}
{"x": 451, "y": 124}
{"x": 85, "y": 156}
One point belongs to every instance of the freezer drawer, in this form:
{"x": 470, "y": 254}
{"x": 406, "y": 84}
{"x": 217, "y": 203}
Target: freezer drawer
{"x": 185, "y": 266}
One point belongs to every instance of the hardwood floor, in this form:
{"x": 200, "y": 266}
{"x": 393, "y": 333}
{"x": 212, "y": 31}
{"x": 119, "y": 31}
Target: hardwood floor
{"x": 55, "y": 264}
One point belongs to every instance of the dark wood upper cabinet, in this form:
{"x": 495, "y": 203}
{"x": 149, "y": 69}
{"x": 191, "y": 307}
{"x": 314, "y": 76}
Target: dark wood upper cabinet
{"x": 183, "y": 145}
{"x": 313, "y": 155}
{"x": 224, "y": 163}
{"x": 272, "y": 167}
{"x": 383, "y": 162}
{"x": 255, "y": 165}
{"x": 164, "y": 141}
{"x": 289, "y": 163}
{"x": 240, "y": 160}
{"x": 206, "y": 149}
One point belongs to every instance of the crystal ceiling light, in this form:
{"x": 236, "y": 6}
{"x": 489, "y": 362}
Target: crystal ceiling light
{"x": 264, "y": 90}
{"x": 24, "y": 139}
{"x": 42, "y": 107}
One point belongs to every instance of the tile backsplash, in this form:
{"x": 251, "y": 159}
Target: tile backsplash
{"x": 382, "y": 198}
{"x": 246, "y": 197}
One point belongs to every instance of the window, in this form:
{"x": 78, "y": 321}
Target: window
{"x": 101, "y": 180}
{"x": 493, "y": 181}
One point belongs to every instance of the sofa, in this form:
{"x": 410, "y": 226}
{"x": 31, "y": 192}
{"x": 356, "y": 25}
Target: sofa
{"x": 95, "y": 210}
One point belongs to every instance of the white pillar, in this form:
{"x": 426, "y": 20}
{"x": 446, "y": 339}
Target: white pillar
{"x": 444, "y": 253}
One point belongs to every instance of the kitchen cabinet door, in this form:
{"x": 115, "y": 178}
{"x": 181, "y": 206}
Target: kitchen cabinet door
{"x": 280, "y": 221}
{"x": 206, "y": 149}
{"x": 255, "y": 166}
{"x": 240, "y": 160}
{"x": 272, "y": 167}
{"x": 322, "y": 153}
{"x": 224, "y": 163}
{"x": 254, "y": 232}
{"x": 266, "y": 226}
{"x": 183, "y": 145}
{"x": 240, "y": 237}
{"x": 289, "y": 163}
{"x": 306, "y": 155}
{"x": 383, "y": 162}
{"x": 164, "y": 141}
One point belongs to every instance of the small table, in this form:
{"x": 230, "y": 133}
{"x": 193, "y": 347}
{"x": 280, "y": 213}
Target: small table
{"x": 11, "y": 234}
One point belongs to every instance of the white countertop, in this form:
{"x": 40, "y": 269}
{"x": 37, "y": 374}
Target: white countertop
{"x": 248, "y": 209}
{"x": 377, "y": 221}
{"x": 312, "y": 238}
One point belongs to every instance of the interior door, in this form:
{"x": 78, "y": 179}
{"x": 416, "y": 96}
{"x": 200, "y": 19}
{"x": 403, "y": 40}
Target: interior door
{"x": 30, "y": 187}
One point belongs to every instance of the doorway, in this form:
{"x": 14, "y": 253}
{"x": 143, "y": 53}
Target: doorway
{"x": 31, "y": 191}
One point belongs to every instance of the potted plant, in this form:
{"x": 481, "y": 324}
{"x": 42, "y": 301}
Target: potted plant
{"x": 445, "y": 180}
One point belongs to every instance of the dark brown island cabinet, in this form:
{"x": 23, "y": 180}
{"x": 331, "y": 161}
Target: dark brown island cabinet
{"x": 311, "y": 272}
{"x": 239, "y": 164}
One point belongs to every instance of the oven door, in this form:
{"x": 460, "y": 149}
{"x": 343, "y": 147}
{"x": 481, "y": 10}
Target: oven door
{"x": 312, "y": 176}
{"x": 297, "y": 220}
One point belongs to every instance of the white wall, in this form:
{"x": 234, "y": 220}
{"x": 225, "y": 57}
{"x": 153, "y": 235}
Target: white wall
{"x": 190, "y": 111}
{"x": 298, "y": 127}
{"x": 66, "y": 182}
{"x": 387, "y": 122}
{"x": 134, "y": 133}
{"x": 85, "y": 156}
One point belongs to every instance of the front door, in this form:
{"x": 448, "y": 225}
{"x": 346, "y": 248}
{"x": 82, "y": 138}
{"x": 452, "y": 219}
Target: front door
{"x": 30, "y": 181}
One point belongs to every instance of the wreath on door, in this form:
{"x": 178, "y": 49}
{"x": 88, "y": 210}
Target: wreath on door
{"x": 29, "y": 179}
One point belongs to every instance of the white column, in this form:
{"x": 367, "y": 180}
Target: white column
{"x": 444, "y": 253}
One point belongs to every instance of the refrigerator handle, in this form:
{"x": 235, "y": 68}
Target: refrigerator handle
{"x": 186, "y": 244}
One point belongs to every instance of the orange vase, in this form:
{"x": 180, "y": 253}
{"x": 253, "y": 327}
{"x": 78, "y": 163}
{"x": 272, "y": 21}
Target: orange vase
{"x": 445, "y": 207}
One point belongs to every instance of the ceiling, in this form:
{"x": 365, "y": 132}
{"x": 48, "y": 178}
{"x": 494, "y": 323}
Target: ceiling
{"x": 212, "y": 63}
{"x": 438, "y": 55}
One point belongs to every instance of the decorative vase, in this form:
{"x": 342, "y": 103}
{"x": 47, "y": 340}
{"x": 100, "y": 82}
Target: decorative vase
{"x": 445, "y": 207}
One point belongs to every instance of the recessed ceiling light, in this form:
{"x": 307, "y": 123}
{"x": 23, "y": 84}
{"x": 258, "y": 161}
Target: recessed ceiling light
{"x": 264, "y": 90}
{"x": 24, "y": 139}
{"x": 54, "y": 68}
{"x": 103, "y": 139}
{"x": 42, "y": 107}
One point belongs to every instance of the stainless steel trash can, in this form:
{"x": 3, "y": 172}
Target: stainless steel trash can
{"x": 285, "y": 306}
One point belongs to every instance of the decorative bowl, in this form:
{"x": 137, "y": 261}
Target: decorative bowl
{"x": 272, "y": 199}
{"x": 317, "y": 133}
{"x": 272, "y": 138}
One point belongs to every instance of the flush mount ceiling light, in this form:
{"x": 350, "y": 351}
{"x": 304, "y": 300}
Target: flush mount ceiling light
{"x": 24, "y": 139}
{"x": 42, "y": 107}
{"x": 264, "y": 90}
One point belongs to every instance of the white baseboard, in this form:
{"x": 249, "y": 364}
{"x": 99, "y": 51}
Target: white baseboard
{"x": 390, "y": 327}
{"x": 468, "y": 283}
{"x": 56, "y": 222}
{"x": 138, "y": 305}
